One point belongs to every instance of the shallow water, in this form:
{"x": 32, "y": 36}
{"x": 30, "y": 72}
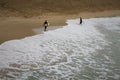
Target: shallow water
{"x": 41, "y": 30}
{"x": 101, "y": 65}
{"x": 110, "y": 56}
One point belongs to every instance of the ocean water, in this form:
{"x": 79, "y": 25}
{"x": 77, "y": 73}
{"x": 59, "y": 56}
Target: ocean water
{"x": 100, "y": 65}
{"x": 96, "y": 57}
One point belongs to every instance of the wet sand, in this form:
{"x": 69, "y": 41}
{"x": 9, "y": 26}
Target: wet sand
{"x": 19, "y": 27}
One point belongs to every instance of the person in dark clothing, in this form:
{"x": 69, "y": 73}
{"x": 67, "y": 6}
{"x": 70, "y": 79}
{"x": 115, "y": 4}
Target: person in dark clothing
{"x": 45, "y": 25}
{"x": 80, "y": 20}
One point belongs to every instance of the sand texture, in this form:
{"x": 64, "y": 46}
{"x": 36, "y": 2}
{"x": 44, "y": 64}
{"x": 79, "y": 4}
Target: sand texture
{"x": 19, "y": 17}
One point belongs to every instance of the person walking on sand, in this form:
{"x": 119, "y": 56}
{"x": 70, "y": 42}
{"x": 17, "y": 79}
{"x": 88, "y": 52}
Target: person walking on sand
{"x": 45, "y": 25}
{"x": 80, "y": 20}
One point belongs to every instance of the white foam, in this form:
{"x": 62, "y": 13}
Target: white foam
{"x": 55, "y": 50}
{"x": 73, "y": 37}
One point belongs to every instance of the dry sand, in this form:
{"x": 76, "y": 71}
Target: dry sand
{"x": 19, "y": 27}
{"x": 30, "y": 8}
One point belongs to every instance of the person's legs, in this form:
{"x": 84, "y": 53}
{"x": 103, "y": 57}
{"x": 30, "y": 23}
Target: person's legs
{"x": 80, "y": 20}
{"x": 45, "y": 28}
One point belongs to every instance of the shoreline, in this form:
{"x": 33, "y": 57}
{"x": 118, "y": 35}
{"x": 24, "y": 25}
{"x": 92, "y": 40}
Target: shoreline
{"x": 18, "y": 27}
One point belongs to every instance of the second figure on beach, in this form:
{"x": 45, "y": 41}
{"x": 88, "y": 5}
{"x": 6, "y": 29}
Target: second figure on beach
{"x": 80, "y": 20}
{"x": 45, "y": 25}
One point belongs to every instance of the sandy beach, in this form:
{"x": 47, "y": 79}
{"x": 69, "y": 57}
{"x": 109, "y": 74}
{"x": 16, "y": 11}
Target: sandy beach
{"x": 19, "y": 27}
{"x": 18, "y": 18}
